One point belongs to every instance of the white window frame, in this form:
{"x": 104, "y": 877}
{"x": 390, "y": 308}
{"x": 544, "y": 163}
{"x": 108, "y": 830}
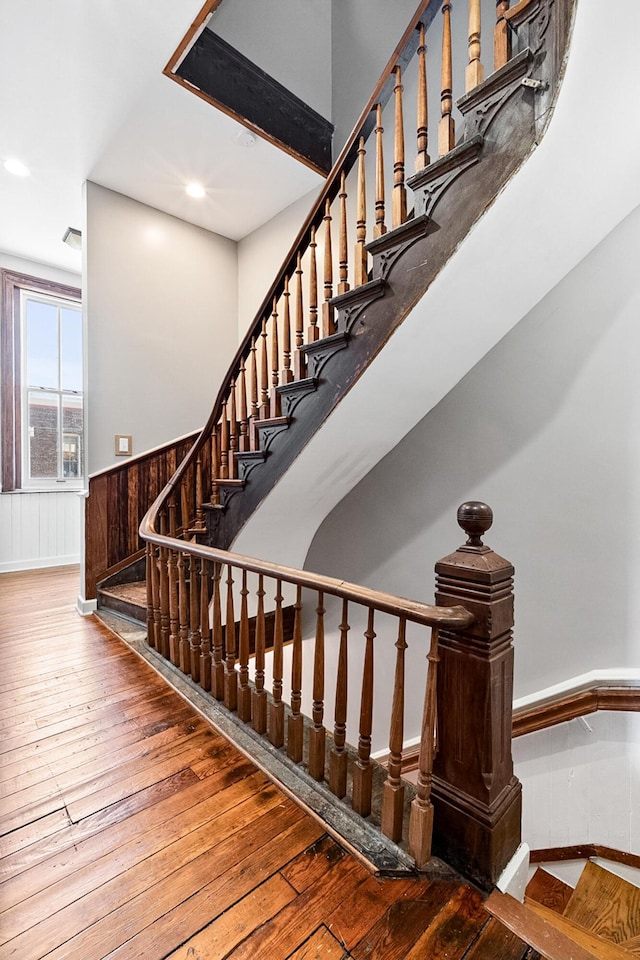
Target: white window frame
{"x": 44, "y": 483}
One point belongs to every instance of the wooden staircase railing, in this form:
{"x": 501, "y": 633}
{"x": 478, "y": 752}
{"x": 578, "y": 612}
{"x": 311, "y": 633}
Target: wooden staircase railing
{"x": 203, "y": 603}
{"x": 278, "y": 361}
{"x": 196, "y": 589}
{"x": 333, "y": 273}
{"x": 199, "y": 608}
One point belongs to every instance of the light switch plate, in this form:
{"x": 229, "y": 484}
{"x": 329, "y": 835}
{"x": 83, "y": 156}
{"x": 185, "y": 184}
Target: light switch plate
{"x": 123, "y": 445}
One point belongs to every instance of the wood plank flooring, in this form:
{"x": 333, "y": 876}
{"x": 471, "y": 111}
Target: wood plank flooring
{"x": 129, "y": 828}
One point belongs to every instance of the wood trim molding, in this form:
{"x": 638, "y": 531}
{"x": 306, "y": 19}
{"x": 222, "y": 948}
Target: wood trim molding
{"x": 569, "y": 705}
{"x": 551, "y": 943}
{"x": 579, "y": 702}
{"x": 583, "y": 851}
{"x": 207, "y": 66}
{"x": 11, "y": 284}
{"x": 190, "y": 36}
{"x": 224, "y": 76}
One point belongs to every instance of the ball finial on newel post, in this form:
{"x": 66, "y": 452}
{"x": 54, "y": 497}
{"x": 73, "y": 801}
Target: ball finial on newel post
{"x": 476, "y": 797}
{"x": 475, "y": 518}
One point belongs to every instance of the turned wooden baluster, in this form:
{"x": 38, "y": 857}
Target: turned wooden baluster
{"x": 217, "y": 663}
{"x": 264, "y": 373}
{"x": 224, "y": 443}
{"x": 254, "y": 414}
{"x": 244, "y": 690}
{"x": 295, "y": 723}
{"x": 174, "y": 623}
{"x": 360, "y": 253}
{"x": 446, "y": 127}
{"x": 194, "y": 618}
{"x": 317, "y": 731}
{"x": 153, "y": 602}
{"x": 259, "y": 700}
{"x": 399, "y": 212}
{"x": 183, "y": 614}
{"x": 343, "y": 261}
{"x": 379, "y": 230}
{"x": 185, "y": 506}
{"x": 328, "y": 325}
{"x": 421, "y": 816}
{"x": 205, "y": 630}
{"x": 422, "y": 158}
{"x": 338, "y": 755}
{"x": 164, "y": 591}
{"x": 313, "y": 333}
{"x": 501, "y": 36}
{"x": 276, "y": 707}
{"x": 233, "y": 430}
{"x": 274, "y": 403}
{"x": 242, "y": 411}
{"x": 286, "y": 375}
{"x": 205, "y": 455}
{"x": 230, "y": 675}
{"x": 199, "y": 524}
{"x": 299, "y": 359}
{"x": 475, "y": 71}
{"x": 215, "y": 465}
{"x": 393, "y": 789}
{"x": 362, "y": 770}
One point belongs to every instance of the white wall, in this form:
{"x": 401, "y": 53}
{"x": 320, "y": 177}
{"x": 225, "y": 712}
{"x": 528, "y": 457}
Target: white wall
{"x": 364, "y": 34}
{"x": 546, "y": 429}
{"x": 39, "y": 529}
{"x": 161, "y": 303}
{"x": 260, "y": 256}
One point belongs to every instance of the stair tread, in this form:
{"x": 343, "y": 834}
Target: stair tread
{"x": 133, "y": 592}
{"x": 541, "y": 928}
{"x": 632, "y": 946}
{"x": 606, "y": 904}
{"x": 597, "y": 946}
{"x": 497, "y": 941}
{"x": 548, "y": 890}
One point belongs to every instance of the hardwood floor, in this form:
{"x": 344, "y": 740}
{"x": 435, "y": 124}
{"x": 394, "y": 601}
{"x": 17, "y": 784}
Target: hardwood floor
{"x": 130, "y": 828}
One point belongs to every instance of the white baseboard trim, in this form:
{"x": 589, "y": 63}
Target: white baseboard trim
{"x": 13, "y": 566}
{"x": 86, "y": 607}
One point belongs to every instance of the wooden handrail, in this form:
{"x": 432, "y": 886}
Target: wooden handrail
{"x": 187, "y": 582}
{"x": 453, "y": 617}
{"x": 190, "y": 585}
{"x": 382, "y": 92}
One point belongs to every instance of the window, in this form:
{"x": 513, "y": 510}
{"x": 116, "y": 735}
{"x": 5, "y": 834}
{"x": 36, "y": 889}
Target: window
{"x": 42, "y": 400}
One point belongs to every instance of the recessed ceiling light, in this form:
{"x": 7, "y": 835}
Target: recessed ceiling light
{"x": 195, "y": 190}
{"x": 16, "y": 167}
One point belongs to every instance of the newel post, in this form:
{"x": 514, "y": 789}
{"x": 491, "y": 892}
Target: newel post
{"x": 476, "y": 798}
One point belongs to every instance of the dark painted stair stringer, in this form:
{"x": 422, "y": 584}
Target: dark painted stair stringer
{"x": 451, "y": 194}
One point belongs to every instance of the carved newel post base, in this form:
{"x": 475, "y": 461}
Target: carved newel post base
{"x": 476, "y": 798}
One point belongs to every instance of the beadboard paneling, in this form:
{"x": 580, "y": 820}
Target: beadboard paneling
{"x": 581, "y": 782}
{"x": 39, "y": 529}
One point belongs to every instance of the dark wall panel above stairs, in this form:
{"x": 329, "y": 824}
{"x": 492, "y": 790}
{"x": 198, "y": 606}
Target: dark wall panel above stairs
{"x": 240, "y": 88}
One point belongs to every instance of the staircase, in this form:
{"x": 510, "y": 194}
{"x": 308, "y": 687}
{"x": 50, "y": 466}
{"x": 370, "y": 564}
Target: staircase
{"x": 297, "y": 364}
{"x": 600, "y": 918}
